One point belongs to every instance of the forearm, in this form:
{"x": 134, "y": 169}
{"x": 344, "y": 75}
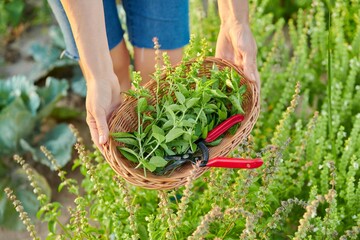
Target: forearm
{"x": 234, "y": 11}
{"x": 88, "y": 25}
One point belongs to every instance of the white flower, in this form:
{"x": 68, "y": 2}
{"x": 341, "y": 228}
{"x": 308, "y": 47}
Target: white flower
{"x": 356, "y": 165}
{"x": 309, "y": 183}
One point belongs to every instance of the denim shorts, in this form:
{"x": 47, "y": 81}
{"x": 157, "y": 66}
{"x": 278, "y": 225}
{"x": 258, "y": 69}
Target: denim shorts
{"x": 168, "y": 20}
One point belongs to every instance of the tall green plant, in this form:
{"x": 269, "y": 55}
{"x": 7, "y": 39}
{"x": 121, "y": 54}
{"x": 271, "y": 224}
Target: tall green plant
{"x": 305, "y": 190}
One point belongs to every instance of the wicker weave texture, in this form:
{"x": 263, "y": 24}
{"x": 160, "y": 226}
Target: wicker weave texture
{"x": 124, "y": 119}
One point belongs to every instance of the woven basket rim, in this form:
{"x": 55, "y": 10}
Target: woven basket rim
{"x": 151, "y": 181}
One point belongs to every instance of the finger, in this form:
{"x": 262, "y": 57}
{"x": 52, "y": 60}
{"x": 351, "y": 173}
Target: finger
{"x": 93, "y": 130}
{"x": 101, "y": 126}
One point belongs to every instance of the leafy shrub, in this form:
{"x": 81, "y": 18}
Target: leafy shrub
{"x": 23, "y": 106}
{"x": 309, "y": 186}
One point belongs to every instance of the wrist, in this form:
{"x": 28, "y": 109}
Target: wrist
{"x": 234, "y": 19}
{"x": 228, "y": 26}
{"x": 98, "y": 73}
{"x": 99, "y": 79}
{"x": 234, "y": 11}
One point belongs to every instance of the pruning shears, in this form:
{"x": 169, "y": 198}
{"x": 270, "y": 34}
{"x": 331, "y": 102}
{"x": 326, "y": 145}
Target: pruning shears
{"x": 202, "y": 155}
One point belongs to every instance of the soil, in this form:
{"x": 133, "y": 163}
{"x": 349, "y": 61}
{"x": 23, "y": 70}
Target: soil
{"x": 14, "y": 60}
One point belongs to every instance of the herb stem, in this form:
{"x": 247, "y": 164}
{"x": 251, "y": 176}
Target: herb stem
{"x": 153, "y": 150}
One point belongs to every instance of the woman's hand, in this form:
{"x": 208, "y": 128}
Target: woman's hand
{"x": 101, "y": 100}
{"x": 236, "y": 44}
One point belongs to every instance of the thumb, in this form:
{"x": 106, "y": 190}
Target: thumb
{"x": 102, "y": 127}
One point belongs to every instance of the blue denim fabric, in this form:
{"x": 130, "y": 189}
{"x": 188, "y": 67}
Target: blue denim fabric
{"x": 168, "y": 20}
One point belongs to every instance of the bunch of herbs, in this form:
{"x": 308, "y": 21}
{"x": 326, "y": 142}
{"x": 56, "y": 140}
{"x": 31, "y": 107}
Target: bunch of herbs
{"x": 187, "y": 106}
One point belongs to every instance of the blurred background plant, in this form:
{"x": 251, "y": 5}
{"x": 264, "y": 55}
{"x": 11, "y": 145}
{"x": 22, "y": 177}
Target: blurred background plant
{"x": 308, "y": 134}
{"x": 30, "y": 113}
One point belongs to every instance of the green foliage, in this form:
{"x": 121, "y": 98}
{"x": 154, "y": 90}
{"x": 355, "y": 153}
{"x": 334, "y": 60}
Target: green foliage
{"x": 11, "y": 13}
{"x": 23, "y": 106}
{"x": 306, "y": 188}
{"x": 191, "y": 106}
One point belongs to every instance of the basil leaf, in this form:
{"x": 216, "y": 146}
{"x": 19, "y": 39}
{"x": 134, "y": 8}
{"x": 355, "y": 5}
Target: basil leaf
{"x": 129, "y": 154}
{"x": 236, "y": 103}
{"x": 182, "y": 89}
{"x": 206, "y": 97}
{"x": 191, "y": 102}
{"x": 168, "y": 124}
{"x": 176, "y": 107}
{"x": 159, "y": 137}
{"x": 158, "y": 161}
{"x": 170, "y": 113}
{"x": 156, "y": 129}
{"x": 173, "y": 134}
{"x": 122, "y": 135}
{"x": 218, "y": 93}
{"x": 180, "y": 97}
{"x": 142, "y": 104}
{"x": 128, "y": 141}
{"x": 149, "y": 166}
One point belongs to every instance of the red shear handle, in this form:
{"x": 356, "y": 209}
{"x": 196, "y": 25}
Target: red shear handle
{"x": 234, "y": 162}
{"x": 223, "y": 127}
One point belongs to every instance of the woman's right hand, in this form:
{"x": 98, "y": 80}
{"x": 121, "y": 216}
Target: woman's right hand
{"x": 103, "y": 97}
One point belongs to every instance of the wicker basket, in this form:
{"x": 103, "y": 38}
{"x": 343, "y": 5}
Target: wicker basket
{"x": 124, "y": 120}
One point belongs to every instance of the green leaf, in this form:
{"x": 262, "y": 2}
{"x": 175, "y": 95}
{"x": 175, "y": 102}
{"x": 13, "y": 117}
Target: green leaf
{"x": 170, "y": 113}
{"x": 167, "y": 149}
{"x": 182, "y": 88}
{"x": 218, "y": 93}
{"x": 16, "y": 122}
{"x": 160, "y": 138}
{"x": 205, "y": 131}
{"x": 235, "y": 80}
{"x": 191, "y": 102}
{"x": 242, "y": 89}
{"x": 168, "y": 124}
{"x": 47, "y": 58}
{"x": 142, "y": 104}
{"x": 149, "y": 166}
{"x": 156, "y": 129}
{"x": 129, "y": 154}
{"x": 59, "y": 141}
{"x": 20, "y": 86}
{"x": 203, "y": 119}
{"x": 52, "y": 226}
{"x": 180, "y": 97}
{"x": 236, "y": 102}
{"x": 177, "y": 108}
{"x": 215, "y": 142}
{"x": 188, "y": 123}
{"x": 53, "y": 91}
{"x": 18, "y": 181}
{"x": 128, "y": 141}
{"x": 173, "y": 134}
{"x": 122, "y": 135}
{"x": 159, "y": 152}
{"x": 187, "y": 136}
{"x": 158, "y": 161}
{"x": 229, "y": 83}
{"x": 66, "y": 113}
{"x": 206, "y": 97}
